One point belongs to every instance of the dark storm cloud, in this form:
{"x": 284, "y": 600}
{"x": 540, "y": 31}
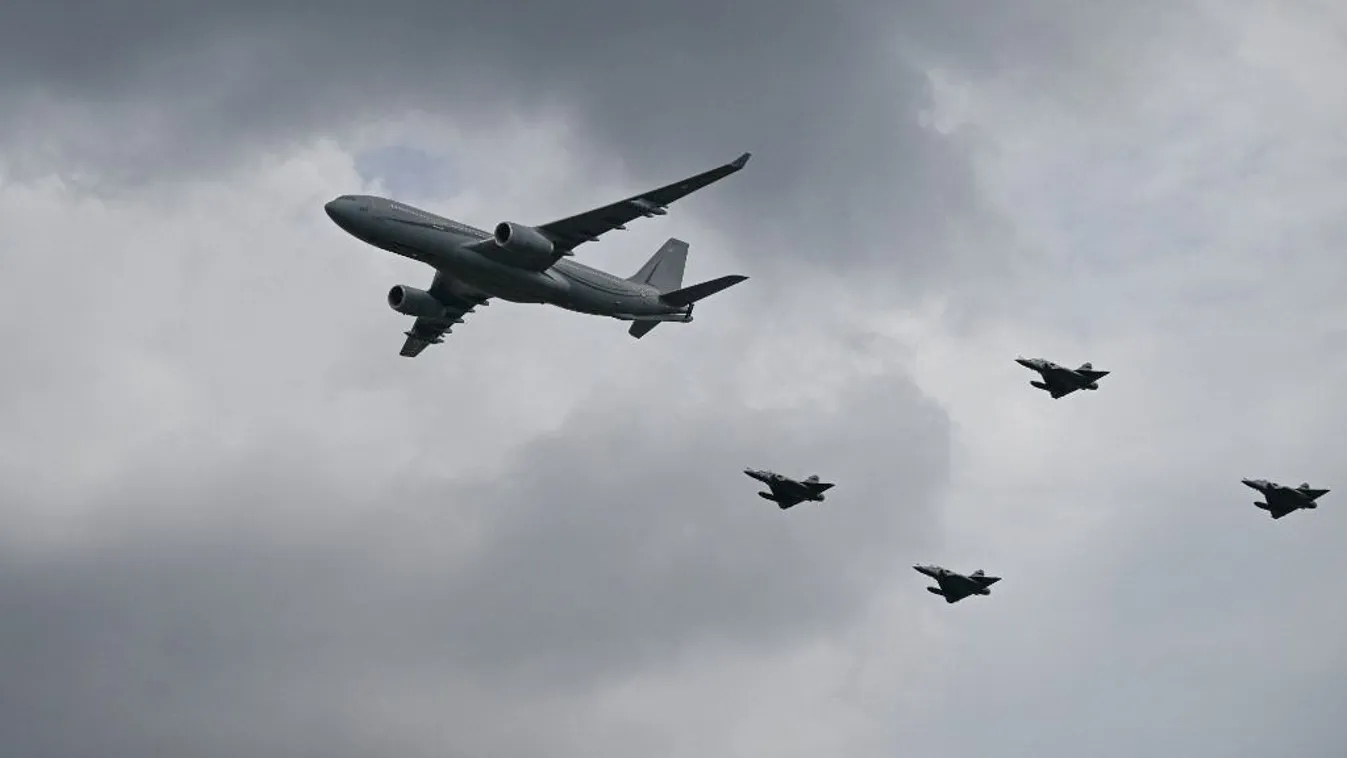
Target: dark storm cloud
{"x": 846, "y": 173}
{"x": 263, "y": 597}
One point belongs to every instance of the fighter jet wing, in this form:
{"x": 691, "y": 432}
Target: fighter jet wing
{"x": 955, "y": 588}
{"x": 458, "y": 299}
{"x": 567, "y": 233}
{"x": 1283, "y": 499}
{"x": 1060, "y": 382}
{"x": 786, "y": 495}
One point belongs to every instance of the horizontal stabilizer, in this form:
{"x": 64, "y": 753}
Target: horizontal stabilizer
{"x": 640, "y": 329}
{"x": 690, "y": 295}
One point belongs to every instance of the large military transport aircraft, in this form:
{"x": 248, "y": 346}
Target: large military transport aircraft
{"x": 529, "y": 264}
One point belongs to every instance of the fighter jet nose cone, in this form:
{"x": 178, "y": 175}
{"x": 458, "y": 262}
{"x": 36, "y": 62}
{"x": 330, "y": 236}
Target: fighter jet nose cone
{"x": 331, "y": 208}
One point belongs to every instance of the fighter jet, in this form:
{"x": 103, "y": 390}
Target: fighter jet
{"x": 1282, "y": 500}
{"x": 1059, "y": 381}
{"x": 530, "y": 264}
{"x": 787, "y": 492}
{"x": 955, "y": 587}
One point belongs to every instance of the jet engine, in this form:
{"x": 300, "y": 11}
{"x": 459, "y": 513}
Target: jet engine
{"x": 410, "y": 301}
{"x": 522, "y": 246}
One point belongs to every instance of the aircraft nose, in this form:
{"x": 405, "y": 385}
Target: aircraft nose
{"x": 1024, "y": 362}
{"x": 333, "y": 209}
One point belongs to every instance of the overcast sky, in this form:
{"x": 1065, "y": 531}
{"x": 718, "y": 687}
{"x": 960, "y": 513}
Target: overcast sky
{"x": 236, "y": 522}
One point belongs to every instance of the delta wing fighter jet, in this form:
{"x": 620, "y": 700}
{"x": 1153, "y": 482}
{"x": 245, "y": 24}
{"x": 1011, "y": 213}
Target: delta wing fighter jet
{"x": 787, "y": 492}
{"x": 1060, "y": 381}
{"x": 955, "y": 587}
{"x": 530, "y": 264}
{"x": 1282, "y": 500}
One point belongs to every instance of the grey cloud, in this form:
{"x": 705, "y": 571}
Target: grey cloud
{"x": 259, "y": 595}
{"x": 846, "y": 174}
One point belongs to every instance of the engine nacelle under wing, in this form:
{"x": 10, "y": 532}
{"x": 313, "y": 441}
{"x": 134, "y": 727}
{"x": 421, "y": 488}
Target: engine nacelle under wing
{"x": 521, "y": 246}
{"x": 410, "y": 301}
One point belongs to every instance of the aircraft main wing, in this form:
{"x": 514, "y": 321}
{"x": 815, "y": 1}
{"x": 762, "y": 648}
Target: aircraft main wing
{"x": 1283, "y": 500}
{"x": 1061, "y": 382}
{"x": 458, "y": 299}
{"x": 786, "y": 495}
{"x": 569, "y": 232}
{"x": 955, "y": 588}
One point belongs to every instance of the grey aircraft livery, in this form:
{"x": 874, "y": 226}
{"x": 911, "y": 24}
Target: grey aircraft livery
{"x": 1059, "y": 381}
{"x": 955, "y": 586}
{"x": 527, "y": 264}
{"x": 1283, "y": 500}
{"x": 787, "y": 492}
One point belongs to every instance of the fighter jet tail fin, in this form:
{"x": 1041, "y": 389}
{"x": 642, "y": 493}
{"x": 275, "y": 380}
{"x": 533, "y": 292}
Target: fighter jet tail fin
{"x": 664, "y": 270}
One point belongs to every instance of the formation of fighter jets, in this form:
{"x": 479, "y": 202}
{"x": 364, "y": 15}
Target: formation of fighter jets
{"x": 532, "y": 264}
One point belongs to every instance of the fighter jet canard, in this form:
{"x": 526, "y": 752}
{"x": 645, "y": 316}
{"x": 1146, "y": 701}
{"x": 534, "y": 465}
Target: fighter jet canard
{"x": 530, "y": 264}
{"x": 1060, "y": 381}
{"x": 954, "y": 586}
{"x": 787, "y": 492}
{"x": 1283, "y": 500}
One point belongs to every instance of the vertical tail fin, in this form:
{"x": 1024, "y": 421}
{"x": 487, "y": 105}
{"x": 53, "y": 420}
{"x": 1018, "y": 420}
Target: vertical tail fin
{"x": 664, "y": 270}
